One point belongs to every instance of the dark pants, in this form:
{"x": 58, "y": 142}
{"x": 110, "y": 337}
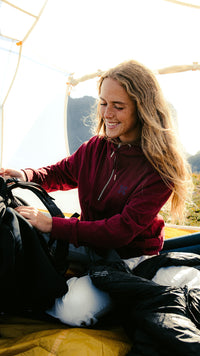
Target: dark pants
{"x": 187, "y": 243}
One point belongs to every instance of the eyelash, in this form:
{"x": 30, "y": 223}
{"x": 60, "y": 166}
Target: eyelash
{"x": 118, "y": 108}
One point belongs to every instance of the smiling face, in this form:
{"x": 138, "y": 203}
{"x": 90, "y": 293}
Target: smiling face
{"x": 118, "y": 112}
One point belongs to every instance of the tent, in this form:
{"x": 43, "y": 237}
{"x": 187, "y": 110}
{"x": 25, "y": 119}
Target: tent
{"x": 52, "y": 49}
{"x": 45, "y": 45}
{"x": 46, "y": 49}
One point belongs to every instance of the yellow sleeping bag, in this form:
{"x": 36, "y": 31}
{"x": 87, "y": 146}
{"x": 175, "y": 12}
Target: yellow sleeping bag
{"x": 27, "y": 337}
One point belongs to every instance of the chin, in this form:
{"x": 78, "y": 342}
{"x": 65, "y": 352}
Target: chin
{"x": 111, "y": 136}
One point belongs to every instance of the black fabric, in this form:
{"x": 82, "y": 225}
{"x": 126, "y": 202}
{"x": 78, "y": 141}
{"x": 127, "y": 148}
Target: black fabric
{"x": 57, "y": 250}
{"x": 148, "y": 268}
{"x": 158, "y": 319}
{"x": 182, "y": 242}
{"x": 188, "y": 243}
{"x": 28, "y": 278}
{"x": 46, "y": 199}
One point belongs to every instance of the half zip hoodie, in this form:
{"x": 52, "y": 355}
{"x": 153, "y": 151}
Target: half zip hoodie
{"x": 120, "y": 214}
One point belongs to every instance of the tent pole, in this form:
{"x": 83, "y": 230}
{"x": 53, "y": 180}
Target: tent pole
{"x": 1, "y": 120}
{"x": 9, "y": 89}
{"x": 2, "y": 107}
{"x": 65, "y": 119}
{"x": 177, "y": 2}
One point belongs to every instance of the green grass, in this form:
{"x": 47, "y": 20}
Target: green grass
{"x": 193, "y": 214}
{"x": 193, "y": 208}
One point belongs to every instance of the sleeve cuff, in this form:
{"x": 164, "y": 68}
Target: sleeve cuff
{"x": 28, "y": 173}
{"x": 23, "y": 170}
{"x": 65, "y": 229}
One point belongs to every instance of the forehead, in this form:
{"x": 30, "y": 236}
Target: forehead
{"x": 112, "y": 90}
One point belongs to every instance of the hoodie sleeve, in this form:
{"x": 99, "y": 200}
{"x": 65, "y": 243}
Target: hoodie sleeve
{"x": 61, "y": 176}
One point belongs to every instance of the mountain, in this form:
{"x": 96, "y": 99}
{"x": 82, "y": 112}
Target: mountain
{"x": 80, "y": 114}
{"x": 80, "y": 120}
{"x": 194, "y": 161}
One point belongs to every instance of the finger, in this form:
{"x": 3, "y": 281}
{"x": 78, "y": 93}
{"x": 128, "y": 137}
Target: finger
{"x": 3, "y": 172}
{"x": 21, "y": 208}
{"x": 27, "y": 212}
{"x": 25, "y": 207}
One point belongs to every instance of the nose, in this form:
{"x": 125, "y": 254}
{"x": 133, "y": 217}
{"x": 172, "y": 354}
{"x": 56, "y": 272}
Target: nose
{"x": 108, "y": 113}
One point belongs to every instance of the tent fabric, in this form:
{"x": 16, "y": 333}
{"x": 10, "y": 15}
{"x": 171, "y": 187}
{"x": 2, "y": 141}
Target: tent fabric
{"x": 55, "y": 50}
{"x": 29, "y": 337}
{"x": 178, "y": 231}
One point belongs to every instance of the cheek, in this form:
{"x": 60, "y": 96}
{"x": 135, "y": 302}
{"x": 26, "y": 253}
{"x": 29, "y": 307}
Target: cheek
{"x": 102, "y": 111}
{"x": 123, "y": 117}
{"x": 133, "y": 117}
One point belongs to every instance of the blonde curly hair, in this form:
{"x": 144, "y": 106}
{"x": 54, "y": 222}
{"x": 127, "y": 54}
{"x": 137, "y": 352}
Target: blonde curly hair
{"x": 159, "y": 140}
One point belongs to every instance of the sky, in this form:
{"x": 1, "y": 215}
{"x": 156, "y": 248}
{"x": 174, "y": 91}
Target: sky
{"x": 81, "y": 37}
{"x": 183, "y": 93}
{"x": 157, "y": 33}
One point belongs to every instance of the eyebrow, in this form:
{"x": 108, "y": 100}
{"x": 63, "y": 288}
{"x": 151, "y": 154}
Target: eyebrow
{"x": 115, "y": 101}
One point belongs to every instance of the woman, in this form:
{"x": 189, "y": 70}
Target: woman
{"x": 124, "y": 174}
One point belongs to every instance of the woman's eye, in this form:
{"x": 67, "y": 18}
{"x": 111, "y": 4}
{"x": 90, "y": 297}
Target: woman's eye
{"x": 114, "y": 106}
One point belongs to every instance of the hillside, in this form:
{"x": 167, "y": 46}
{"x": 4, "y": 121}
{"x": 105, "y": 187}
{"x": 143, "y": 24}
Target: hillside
{"x": 193, "y": 208}
{"x": 79, "y": 112}
{"x": 195, "y": 162}
{"x": 193, "y": 216}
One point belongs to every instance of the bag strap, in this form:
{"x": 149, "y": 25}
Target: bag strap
{"x": 41, "y": 193}
{"x": 61, "y": 248}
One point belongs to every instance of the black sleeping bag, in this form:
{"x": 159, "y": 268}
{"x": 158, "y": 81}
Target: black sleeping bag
{"x": 160, "y": 320}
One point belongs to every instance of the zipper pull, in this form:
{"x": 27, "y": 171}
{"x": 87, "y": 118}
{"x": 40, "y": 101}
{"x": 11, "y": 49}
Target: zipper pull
{"x": 115, "y": 177}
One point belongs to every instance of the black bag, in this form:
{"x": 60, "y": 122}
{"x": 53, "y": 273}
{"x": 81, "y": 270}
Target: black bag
{"x": 60, "y": 252}
{"x": 30, "y": 269}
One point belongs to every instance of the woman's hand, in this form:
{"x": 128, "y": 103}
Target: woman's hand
{"x": 12, "y": 173}
{"x": 39, "y": 220}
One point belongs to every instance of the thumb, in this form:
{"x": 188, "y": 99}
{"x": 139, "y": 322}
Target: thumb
{"x": 2, "y": 171}
{"x": 9, "y": 173}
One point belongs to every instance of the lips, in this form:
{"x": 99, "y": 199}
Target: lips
{"x": 111, "y": 125}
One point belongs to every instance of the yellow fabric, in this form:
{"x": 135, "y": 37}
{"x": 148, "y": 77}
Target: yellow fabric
{"x": 175, "y": 232}
{"x": 27, "y": 337}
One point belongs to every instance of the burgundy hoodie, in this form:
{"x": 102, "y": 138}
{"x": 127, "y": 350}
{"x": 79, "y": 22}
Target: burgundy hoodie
{"x": 120, "y": 196}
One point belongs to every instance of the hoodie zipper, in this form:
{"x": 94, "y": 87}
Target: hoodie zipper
{"x": 113, "y": 170}
{"x": 112, "y": 173}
